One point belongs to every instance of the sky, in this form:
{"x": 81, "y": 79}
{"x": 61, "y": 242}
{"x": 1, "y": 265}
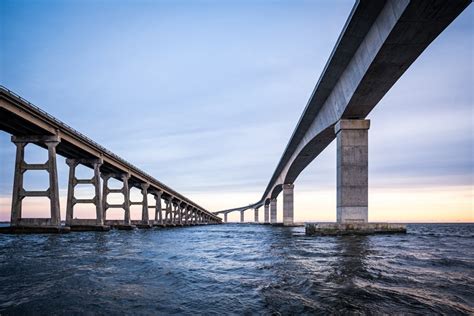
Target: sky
{"x": 204, "y": 96}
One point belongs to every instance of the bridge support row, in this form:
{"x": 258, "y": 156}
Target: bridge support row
{"x": 177, "y": 213}
{"x": 352, "y": 177}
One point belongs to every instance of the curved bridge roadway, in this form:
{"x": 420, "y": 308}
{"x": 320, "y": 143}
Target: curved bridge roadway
{"x": 379, "y": 42}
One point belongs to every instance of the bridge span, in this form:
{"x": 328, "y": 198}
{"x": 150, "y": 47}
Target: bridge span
{"x": 378, "y": 43}
{"x": 29, "y": 124}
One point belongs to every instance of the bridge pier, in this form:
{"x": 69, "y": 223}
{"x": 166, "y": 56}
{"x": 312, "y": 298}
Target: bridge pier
{"x": 19, "y": 224}
{"x": 256, "y": 215}
{"x": 85, "y": 224}
{"x": 266, "y": 213}
{"x": 273, "y": 210}
{"x": 158, "y": 210}
{"x": 352, "y": 185}
{"x": 225, "y": 217}
{"x": 168, "y": 207}
{"x": 288, "y": 204}
{"x": 352, "y": 171}
{"x": 126, "y": 224}
{"x": 242, "y": 216}
{"x": 145, "y": 221}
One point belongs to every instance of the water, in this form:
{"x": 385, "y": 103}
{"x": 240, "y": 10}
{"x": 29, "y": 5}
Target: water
{"x": 239, "y": 269}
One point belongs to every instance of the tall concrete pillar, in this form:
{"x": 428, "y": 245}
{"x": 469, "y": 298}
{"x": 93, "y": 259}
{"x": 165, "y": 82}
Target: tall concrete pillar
{"x": 256, "y": 215}
{"x": 145, "y": 217}
{"x": 273, "y": 210}
{"x": 288, "y": 204}
{"x": 352, "y": 171}
{"x": 242, "y": 216}
{"x": 266, "y": 213}
{"x": 225, "y": 217}
{"x": 19, "y": 193}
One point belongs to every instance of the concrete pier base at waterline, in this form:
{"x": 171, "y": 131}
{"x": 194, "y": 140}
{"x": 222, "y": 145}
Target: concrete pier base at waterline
{"x": 35, "y": 229}
{"x": 336, "y": 229}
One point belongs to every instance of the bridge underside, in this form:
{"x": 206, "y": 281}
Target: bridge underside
{"x": 380, "y": 41}
{"x": 30, "y": 125}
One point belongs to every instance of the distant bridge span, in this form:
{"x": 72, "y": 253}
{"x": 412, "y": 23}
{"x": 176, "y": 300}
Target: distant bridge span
{"x": 379, "y": 42}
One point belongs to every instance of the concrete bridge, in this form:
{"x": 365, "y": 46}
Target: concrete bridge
{"x": 29, "y": 124}
{"x": 379, "y": 42}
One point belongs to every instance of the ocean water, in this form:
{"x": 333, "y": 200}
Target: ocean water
{"x": 239, "y": 269}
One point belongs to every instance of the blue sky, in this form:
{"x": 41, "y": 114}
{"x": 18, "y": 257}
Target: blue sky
{"x": 204, "y": 95}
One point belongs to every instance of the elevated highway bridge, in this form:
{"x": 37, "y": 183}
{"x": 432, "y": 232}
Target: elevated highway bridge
{"x": 378, "y": 43}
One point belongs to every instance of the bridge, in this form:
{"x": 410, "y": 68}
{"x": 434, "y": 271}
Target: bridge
{"x": 27, "y": 123}
{"x": 379, "y": 42}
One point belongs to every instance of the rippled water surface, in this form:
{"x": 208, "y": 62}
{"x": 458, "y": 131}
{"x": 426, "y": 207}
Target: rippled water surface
{"x": 239, "y": 269}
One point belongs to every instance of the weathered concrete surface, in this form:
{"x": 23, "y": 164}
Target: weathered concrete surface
{"x": 118, "y": 224}
{"x": 266, "y": 214}
{"x": 19, "y": 192}
{"x": 140, "y": 224}
{"x": 85, "y": 228}
{"x": 352, "y": 171}
{"x": 79, "y": 224}
{"x": 329, "y": 229}
{"x": 288, "y": 204}
{"x": 273, "y": 211}
{"x": 35, "y": 230}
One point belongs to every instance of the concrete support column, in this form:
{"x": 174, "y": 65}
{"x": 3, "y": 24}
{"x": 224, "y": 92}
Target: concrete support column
{"x": 158, "y": 211}
{"x": 266, "y": 213}
{"x": 225, "y": 217}
{"x": 186, "y": 215}
{"x": 173, "y": 214}
{"x": 288, "y": 204}
{"x": 96, "y": 200}
{"x": 98, "y": 193}
{"x": 352, "y": 171}
{"x": 273, "y": 210}
{"x": 105, "y": 191}
{"x": 195, "y": 216}
{"x": 180, "y": 213}
{"x": 169, "y": 212}
{"x": 17, "y": 196}
{"x": 53, "y": 183}
{"x": 256, "y": 215}
{"x": 126, "y": 199}
{"x": 242, "y": 216}
{"x": 145, "y": 216}
{"x": 19, "y": 193}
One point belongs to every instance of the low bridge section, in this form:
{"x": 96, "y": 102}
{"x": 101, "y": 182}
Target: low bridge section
{"x": 29, "y": 124}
